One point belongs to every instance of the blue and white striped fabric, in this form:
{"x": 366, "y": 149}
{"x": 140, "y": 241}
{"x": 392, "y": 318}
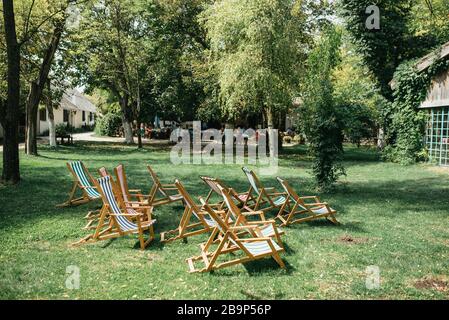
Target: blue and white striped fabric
{"x": 279, "y": 201}
{"x": 77, "y": 167}
{"x": 209, "y": 222}
{"x": 123, "y": 222}
{"x": 251, "y": 180}
{"x": 268, "y": 231}
{"x": 260, "y": 247}
{"x": 230, "y": 207}
{"x": 322, "y": 210}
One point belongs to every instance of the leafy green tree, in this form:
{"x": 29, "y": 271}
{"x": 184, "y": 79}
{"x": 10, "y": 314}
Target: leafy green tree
{"x": 357, "y": 97}
{"x": 319, "y": 116}
{"x": 408, "y": 29}
{"x": 112, "y": 52}
{"x": 257, "y": 50}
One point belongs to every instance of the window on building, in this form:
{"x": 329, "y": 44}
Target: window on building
{"x": 43, "y": 114}
{"x": 84, "y": 115}
{"x": 437, "y": 137}
{"x": 91, "y": 117}
{"x": 65, "y": 115}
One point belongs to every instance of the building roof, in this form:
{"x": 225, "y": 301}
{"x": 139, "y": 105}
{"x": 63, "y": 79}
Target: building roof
{"x": 74, "y": 100}
{"x": 426, "y": 61}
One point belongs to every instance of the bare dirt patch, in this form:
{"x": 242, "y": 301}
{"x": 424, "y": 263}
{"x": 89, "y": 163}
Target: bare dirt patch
{"x": 348, "y": 239}
{"x": 441, "y": 285}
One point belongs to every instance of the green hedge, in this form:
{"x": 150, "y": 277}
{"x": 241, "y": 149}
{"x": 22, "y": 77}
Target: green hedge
{"x": 109, "y": 125}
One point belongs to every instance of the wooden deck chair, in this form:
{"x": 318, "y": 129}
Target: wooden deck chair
{"x": 232, "y": 242}
{"x": 82, "y": 181}
{"x": 103, "y": 172}
{"x": 307, "y": 211}
{"x": 93, "y": 219}
{"x": 124, "y": 220}
{"x": 243, "y": 199}
{"x": 130, "y": 196}
{"x": 240, "y": 218}
{"x": 169, "y": 192}
{"x": 187, "y": 228}
{"x": 266, "y": 198}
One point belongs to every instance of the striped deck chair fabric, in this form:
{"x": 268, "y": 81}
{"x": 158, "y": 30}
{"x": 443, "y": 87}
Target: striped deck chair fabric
{"x": 79, "y": 170}
{"x": 82, "y": 181}
{"x": 123, "y": 222}
{"x": 120, "y": 219}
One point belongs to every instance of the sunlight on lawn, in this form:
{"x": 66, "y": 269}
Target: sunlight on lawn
{"x": 393, "y": 217}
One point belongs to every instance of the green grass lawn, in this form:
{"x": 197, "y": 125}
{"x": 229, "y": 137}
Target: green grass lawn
{"x": 393, "y": 217}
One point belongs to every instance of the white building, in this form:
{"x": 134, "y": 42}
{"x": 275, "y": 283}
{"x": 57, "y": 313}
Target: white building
{"x": 75, "y": 109}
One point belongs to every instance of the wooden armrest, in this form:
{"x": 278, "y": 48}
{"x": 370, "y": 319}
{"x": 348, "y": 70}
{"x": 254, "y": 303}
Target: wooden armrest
{"x": 168, "y": 185}
{"x": 309, "y": 198}
{"x": 261, "y": 223}
{"x": 126, "y": 214}
{"x": 317, "y": 204}
{"x": 254, "y": 240}
{"x": 278, "y": 194}
{"x": 139, "y": 203}
{"x": 139, "y": 207}
{"x": 253, "y": 213}
{"x": 239, "y": 228}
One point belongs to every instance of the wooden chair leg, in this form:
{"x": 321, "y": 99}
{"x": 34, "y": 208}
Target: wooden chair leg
{"x": 278, "y": 259}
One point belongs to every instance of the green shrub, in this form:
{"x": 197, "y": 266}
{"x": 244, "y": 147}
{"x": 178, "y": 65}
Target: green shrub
{"x": 63, "y": 129}
{"x": 109, "y": 125}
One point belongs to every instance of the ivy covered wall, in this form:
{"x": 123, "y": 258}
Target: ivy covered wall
{"x": 408, "y": 122}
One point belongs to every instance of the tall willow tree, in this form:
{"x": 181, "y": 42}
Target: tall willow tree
{"x": 257, "y": 49}
{"x": 320, "y": 120}
{"x": 114, "y": 50}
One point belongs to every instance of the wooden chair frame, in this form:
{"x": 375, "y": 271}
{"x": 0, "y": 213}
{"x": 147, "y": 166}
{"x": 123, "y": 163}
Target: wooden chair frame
{"x": 130, "y": 196}
{"x": 298, "y": 206}
{"x": 241, "y": 218}
{"x": 265, "y": 196}
{"x": 231, "y": 242}
{"x": 243, "y": 199}
{"x": 186, "y": 228}
{"x": 165, "y": 189}
{"x": 109, "y": 227}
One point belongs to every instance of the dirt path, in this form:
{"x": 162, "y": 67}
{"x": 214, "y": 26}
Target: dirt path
{"x": 90, "y": 137}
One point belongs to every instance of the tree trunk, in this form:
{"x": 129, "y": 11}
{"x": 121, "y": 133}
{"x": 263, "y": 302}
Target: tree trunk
{"x": 381, "y": 143}
{"x": 9, "y": 114}
{"x": 37, "y": 87}
{"x": 127, "y": 120}
{"x": 270, "y": 118}
{"x": 32, "y": 107}
{"x": 51, "y": 119}
{"x": 139, "y": 136}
